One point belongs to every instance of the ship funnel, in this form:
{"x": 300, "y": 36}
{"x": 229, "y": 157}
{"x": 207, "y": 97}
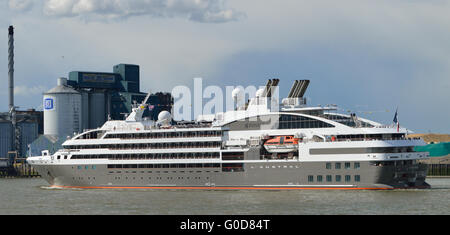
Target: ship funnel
{"x": 298, "y": 89}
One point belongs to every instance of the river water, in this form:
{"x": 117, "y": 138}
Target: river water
{"x": 33, "y": 196}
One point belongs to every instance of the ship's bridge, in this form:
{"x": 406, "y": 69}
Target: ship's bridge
{"x": 264, "y": 104}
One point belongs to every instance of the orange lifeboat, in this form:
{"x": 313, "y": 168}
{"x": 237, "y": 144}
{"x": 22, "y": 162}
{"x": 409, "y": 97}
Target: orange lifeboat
{"x": 281, "y": 144}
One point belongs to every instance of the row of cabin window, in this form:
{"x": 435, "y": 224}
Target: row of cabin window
{"x": 151, "y": 166}
{"x": 337, "y": 178}
{"x": 181, "y": 134}
{"x": 149, "y": 156}
{"x": 233, "y": 156}
{"x": 347, "y": 165}
{"x": 210, "y": 144}
{"x": 160, "y": 178}
{"x": 394, "y": 136}
{"x": 394, "y": 163}
{"x": 319, "y": 151}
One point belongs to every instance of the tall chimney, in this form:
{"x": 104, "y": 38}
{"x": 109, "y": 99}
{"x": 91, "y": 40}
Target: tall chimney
{"x": 11, "y": 66}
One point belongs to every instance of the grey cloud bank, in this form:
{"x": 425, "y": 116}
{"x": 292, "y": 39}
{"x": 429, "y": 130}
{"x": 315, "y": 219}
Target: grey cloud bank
{"x": 20, "y": 5}
{"x": 204, "y": 11}
{"x": 382, "y": 54}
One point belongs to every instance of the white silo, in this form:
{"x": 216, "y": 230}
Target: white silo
{"x": 62, "y": 110}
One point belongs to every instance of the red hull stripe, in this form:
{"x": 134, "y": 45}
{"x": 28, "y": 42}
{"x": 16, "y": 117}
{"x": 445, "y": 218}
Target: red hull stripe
{"x": 219, "y": 188}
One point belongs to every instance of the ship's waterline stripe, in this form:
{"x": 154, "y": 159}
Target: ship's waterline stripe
{"x": 229, "y": 188}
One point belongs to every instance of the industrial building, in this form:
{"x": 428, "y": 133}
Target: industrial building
{"x": 17, "y": 137}
{"x": 18, "y": 128}
{"x": 86, "y": 100}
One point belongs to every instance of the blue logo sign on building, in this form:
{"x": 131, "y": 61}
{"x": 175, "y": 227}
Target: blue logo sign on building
{"x": 49, "y": 104}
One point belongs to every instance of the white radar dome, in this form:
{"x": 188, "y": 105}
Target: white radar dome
{"x": 259, "y": 93}
{"x": 237, "y": 94}
{"x": 164, "y": 116}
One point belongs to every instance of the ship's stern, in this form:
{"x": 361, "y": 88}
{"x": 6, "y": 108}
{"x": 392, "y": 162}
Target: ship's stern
{"x": 402, "y": 174}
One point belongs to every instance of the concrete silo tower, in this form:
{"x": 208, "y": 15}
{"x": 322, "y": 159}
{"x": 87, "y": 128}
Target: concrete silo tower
{"x": 62, "y": 110}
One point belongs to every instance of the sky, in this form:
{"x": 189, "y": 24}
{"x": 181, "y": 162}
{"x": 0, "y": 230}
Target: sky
{"x": 368, "y": 57}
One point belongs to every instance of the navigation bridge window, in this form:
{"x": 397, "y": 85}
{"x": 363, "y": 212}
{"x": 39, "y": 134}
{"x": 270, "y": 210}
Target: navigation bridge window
{"x": 351, "y": 121}
{"x": 276, "y": 121}
{"x": 295, "y": 122}
{"x": 91, "y": 135}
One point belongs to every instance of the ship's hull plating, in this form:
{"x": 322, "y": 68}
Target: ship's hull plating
{"x": 253, "y": 175}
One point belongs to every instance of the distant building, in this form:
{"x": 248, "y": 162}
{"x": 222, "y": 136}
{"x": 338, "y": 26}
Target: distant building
{"x": 29, "y": 126}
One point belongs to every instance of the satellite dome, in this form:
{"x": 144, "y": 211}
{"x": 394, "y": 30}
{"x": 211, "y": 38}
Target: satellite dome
{"x": 237, "y": 94}
{"x": 259, "y": 93}
{"x": 164, "y": 116}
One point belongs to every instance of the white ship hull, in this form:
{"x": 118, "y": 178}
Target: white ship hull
{"x": 229, "y": 153}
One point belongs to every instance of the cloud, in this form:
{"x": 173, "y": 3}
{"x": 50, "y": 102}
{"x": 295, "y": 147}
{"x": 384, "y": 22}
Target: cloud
{"x": 29, "y": 91}
{"x": 383, "y": 53}
{"x": 204, "y": 11}
{"x": 217, "y": 17}
{"x": 21, "y": 5}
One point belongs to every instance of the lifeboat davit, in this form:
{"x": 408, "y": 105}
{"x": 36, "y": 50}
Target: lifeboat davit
{"x": 281, "y": 144}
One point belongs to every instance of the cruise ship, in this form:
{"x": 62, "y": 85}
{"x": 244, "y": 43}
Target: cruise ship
{"x": 251, "y": 147}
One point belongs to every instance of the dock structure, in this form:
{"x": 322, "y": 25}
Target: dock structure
{"x": 438, "y": 166}
{"x": 442, "y": 170}
{"x": 17, "y": 168}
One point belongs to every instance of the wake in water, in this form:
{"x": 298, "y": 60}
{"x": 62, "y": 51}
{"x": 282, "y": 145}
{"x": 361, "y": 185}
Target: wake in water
{"x": 57, "y": 188}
